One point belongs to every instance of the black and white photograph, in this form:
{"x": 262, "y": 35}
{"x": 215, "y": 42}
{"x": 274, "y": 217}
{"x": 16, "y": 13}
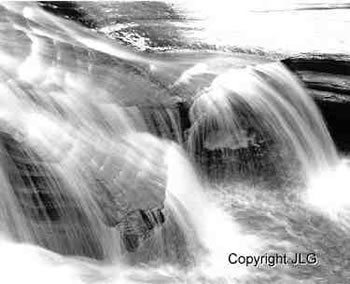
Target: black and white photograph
{"x": 175, "y": 142}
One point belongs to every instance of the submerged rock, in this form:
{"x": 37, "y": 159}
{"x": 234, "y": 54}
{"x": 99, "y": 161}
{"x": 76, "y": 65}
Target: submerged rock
{"x": 137, "y": 226}
{"x": 49, "y": 211}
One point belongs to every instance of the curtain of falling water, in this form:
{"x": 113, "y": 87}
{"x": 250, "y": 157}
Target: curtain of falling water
{"x": 265, "y": 113}
{"x": 79, "y": 176}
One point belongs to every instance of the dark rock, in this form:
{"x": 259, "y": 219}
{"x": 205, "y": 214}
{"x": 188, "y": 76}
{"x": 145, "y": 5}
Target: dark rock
{"x": 327, "y": 78}
{"x": 137, "y": 227}
{"x": 32, "y": 182}
{"x": 53, "y": 216}
{"x": 69, "y": 10}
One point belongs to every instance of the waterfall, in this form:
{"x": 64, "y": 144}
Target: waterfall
{"x": 265, "y": 114}
{"x": 123, "y": 167}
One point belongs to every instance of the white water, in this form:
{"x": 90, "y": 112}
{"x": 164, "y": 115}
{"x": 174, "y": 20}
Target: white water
{"x": 263, "y": 102}
{"x": 287, "y": 27}
{"x": 78, "y": 156}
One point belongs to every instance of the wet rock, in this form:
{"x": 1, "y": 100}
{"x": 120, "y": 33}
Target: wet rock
{"x": 51, "y": 213}
{"x": 327, "y": 77}
{"x": 138, "y": 226}
{"x": 69, "y": 10}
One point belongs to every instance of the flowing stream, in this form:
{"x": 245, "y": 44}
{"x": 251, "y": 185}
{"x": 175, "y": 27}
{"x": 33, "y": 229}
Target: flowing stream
{"x": 124, "y": 167}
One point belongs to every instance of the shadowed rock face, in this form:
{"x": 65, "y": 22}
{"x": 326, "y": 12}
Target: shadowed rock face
{"x": 327, "y": 78}
{"x": 69, "y": 10}
{"x": 132, "y": 204}
{"x": 52, "y": 214}
{"x": 137, "y": 227}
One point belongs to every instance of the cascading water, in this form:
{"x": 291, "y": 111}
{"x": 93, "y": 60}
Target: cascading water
{"x": 93, "y": 190}
{"x": 264, "y": 112}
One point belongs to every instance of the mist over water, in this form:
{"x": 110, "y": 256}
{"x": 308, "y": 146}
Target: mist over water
{"x": 102, "y": 180}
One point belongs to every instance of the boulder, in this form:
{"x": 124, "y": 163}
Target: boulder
{"x": 327, "y": 78}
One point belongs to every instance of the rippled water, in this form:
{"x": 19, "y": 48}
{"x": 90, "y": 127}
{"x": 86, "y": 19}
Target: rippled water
{"x": 272, "y": 27}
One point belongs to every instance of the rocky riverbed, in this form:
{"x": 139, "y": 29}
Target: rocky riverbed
{"x": 167, "y": 30}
